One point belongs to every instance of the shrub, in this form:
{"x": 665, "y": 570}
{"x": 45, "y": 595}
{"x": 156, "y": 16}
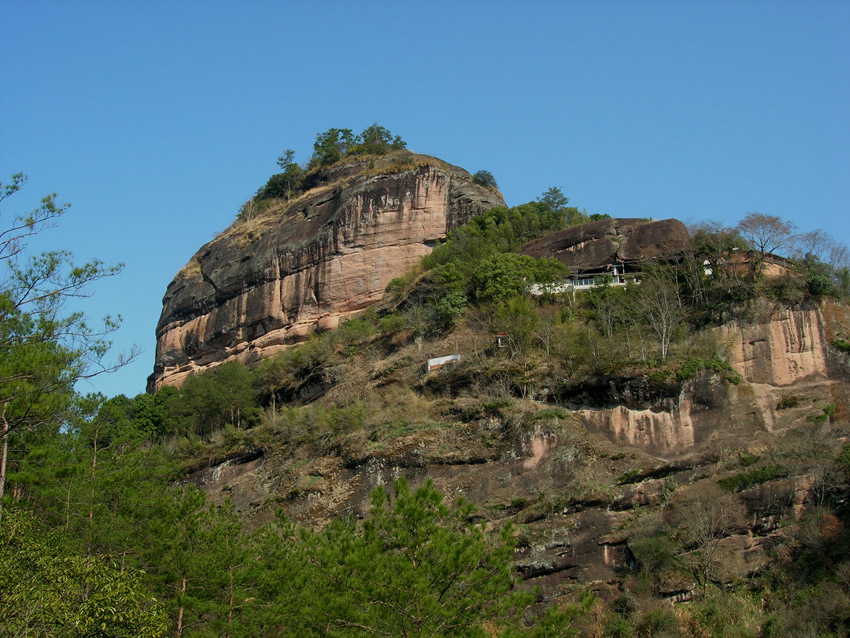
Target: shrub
{"x": 824, "y": 416}
{"x": 485, "y": 178}
{"x": 278, "y": 185}
{"x": 354, "y": 334}
{"x": 746, "y": 459}
{"x": 841, "y": 344}
{"x": 668, "y": 487}
{"x": 618, "y": 627}
{"x": 657, "y": 621}
{"x": 820, "y": 285}
{"x": 550, "y": 413}
{"x": 391, "y": 324}
{"x": 786, "y": 403}
{"x": 742, "y": 481}
{"x": 403, "y": 158}
{"x": 690, "y": 367}
{"x": 628, "y": 477}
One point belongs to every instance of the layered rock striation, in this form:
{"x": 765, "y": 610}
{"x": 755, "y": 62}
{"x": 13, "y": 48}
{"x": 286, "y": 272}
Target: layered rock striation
{"x": 271, "y": 281}
{"x": 605, "y": 242}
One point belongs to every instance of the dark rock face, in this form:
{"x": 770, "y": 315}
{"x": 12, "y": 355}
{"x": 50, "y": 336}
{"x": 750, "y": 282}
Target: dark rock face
{"x": 270, "y": 282}
{"x": 608, "y": 241}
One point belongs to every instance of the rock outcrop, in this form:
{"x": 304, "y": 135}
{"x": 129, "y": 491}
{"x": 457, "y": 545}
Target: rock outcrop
{"x": 610, "y": 241}
{"x": 271, "y": 281}
{"x": 788, "y": 348}
{"x": 578, "y": 479}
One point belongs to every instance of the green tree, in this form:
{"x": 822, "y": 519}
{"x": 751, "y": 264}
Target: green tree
{"x": 175, "y": 553}
{"x": 48, "y": 590}
{"x": 450, "y": 295}
{"x": 502, "y": 276}
{"x": 415, "y": 567}
{"x": 517, "y": 317}
{"x": 290, "y": 171}
{"x": 44, "y": 350}
{"x": 273, "y": 374}
{"x": 498, "y": 230}
{"x": 286, "y": 159}
{"x": 218, "y": 397}
{"x": 280, "y": 593}
{"x": 485, "y": 178}
{"x": 376, "y": 140}
{"x": 96, "y": 478}
{"x": 554, "y": 199}
{"x": 332, "y": 145}
{"x": 548, "y": 271}
{"x": 148, "y": 412}
{"x": 228, "y": 575}
{"x": 449, "y": 307}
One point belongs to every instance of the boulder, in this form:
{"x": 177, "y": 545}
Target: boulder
{"x": 269, "y": 282}
{"x": 594, "y": 245}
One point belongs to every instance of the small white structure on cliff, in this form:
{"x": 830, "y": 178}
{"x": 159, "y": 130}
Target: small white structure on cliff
{"x": 438, "y": 362}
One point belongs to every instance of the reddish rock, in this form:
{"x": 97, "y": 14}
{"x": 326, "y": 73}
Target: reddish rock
{"x": 272, "y": 281}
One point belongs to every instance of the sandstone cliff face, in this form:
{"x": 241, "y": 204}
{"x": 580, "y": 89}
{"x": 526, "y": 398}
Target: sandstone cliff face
{"x": 609, "y": 241}
{"x": 554, "y": 477}
{"x": 783, "y": 355}
{"x": 270, "y": 282}
{"x": 788, "y": 348}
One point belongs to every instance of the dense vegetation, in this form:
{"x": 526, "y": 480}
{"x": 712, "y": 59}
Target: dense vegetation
{"x": 103, "y": 532}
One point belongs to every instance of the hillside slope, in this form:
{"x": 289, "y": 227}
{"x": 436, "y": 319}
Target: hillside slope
{"x": 309, "y": 263}
{"x": 587, "y": 471}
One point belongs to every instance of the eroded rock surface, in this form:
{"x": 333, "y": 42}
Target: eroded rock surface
{"x": 574, "y": 483}
{"x": 609, "y": 241}
{"x": 270, "y": 282}
{"x": 782, "y": 351}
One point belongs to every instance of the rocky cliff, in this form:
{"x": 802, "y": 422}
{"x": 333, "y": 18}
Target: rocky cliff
{"x": 580, "y": 470}
{"x": 309, "y": 263}
{"x": 610, "y": 241}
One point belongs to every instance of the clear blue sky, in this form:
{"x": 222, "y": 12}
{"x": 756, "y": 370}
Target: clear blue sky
{"x": 156, "y": 120}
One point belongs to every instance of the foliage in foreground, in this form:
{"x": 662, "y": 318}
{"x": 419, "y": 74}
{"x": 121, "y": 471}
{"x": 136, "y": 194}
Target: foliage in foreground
{"x": 415, "y": 567}
{"x": 48, "y": 590}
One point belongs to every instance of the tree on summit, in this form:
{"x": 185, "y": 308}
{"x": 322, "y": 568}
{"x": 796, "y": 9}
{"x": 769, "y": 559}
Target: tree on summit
{"x": 337, "y": 143}
{"x": 289, "y": 170}
{"x": 485, "y": 178}
{"x": 764, "y": 234}
{"x": 377, "y": 140}
{"x": 331, "y": 146}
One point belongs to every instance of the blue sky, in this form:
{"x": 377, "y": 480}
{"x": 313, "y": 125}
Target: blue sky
{"x": 157, "y": 120}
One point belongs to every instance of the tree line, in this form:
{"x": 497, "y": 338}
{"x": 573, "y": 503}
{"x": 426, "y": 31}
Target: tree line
{"x": 330, "y": 147}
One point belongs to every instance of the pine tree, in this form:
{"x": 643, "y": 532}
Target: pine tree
{"x": 416, "y": 568}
